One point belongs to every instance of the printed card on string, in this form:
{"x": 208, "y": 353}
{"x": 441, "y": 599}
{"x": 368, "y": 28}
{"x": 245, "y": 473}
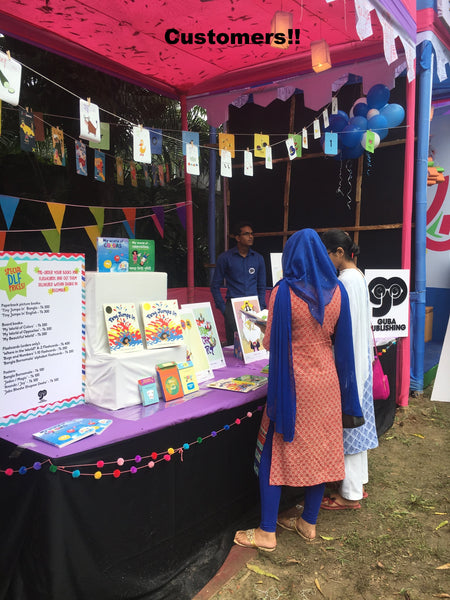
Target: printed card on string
{"x": 155, "y": 140}
{"x": 189, "y": 137}
{"x": 297, "y": 144}
{"x": 122, "y": 327}
{"x": 119, "y": 170}
{"x": 290, "y": 145}
{"x": 162, "y": 323}
{"x": 275, "y": 266}
{"x": 10, "y": 79}
{"x": 133, "y": 173}
{"x": 80, "y": 156}
{"x": 226, "y": 142}
{"x": 99, "y": 166}
{"x": 316, "y": 128}
{"x": 105, "y": 137}
{"x": 330, "y": 145}
{"x": 334, "y": 105}
{"x": 248, "y": 163}
{"x": 305, "y": 138}
{"x": 89, "y": 121}
{"x": 370, "y": 141}
{"x": 42, "y": 341}
{"x": 269, "y": 164}
{"x": 204, "y": 319}
{"x": 195, "y": 351}
{"x": 260, "y": 142}
{"x": 26, "y": 130}
{"x": 141, "y": 145}
{"x": 250, "y": 335}
{"x": 326, "y": 120}
{"x": 39, "y": 132}
{"x": 59, "y": 153}
{"x": 225, "y": 164}
{"x": 192, "y": 160}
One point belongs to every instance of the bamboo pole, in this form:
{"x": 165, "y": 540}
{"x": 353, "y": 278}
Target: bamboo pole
{"x": 287, "y": 183}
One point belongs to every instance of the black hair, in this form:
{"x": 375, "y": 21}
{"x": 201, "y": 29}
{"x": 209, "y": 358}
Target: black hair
{"x": 336, "y": 238}
{"x": 236, "y": 229}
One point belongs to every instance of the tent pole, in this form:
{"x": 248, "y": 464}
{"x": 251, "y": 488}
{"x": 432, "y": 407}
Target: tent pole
{"x": 425, "y": 69}
{"x": 287, "y": 184}
{"x": 212, "y": 200}
{"x": 403, "y": 357}
{"x": 189, "y": 217}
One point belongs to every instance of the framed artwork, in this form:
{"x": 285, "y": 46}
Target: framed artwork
{"x": 250, "y": 335}
{"x": 206, "y": 325}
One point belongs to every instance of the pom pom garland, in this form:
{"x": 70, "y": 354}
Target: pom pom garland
{"x": 94, "y": 470}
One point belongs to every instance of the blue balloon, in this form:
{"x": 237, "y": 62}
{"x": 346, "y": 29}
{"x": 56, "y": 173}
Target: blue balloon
{"x": 354, "y": 152}
{"x": 393, "y": 113}
{"x": 377, "y": 96}
{"x": 360, "y": 110}
{"x": 379, "y": 125}
{"x": 359, "y": 123}
{"x": 350, "y": 136}
{"x": 338, "y": 121}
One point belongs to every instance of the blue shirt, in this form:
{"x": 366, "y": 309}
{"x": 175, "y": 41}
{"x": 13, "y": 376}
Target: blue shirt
{"x": 245, "y": 276}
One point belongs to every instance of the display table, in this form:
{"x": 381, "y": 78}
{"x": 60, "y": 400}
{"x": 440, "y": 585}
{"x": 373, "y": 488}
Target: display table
{"x": 139, "y": 531}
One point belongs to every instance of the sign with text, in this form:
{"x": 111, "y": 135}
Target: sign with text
{"x": 42, "y": 309}
{"x": 389, "y": 302}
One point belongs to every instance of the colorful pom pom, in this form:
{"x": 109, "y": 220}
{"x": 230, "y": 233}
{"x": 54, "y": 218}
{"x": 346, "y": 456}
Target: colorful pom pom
{"x": 116, "y": 473}
{"x": 154, "y": 455}
{"x": 137, "y": 458}
{"x": 151, "y": 464}
{"x": 166, "y": 457}
{"x": 199, "y": 440}
{"x": 170, "y": 451}
{"x": 120, "y": 462}
{"x": 9, "y": 472}
{"x": 237, "y": 421}
{"x": 249, "y": 415}
{"x": 133, "y": 470}
{"x": 53, "y": 468}
{"x": 37, "y": 466}
{"x": 185, "y": 446}
{"x": 23, "y": 470}
{"x": 213, "y": 433}
{"x": 226, "y": 427}
{"x": 76, "y": 473}
{"x": 100, "y": 464}
{"x": 97, "y": 475}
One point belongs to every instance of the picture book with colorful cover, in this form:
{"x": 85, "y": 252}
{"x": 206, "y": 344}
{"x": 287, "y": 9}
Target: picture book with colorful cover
{"x": 244, "y": 383}
{"x": 68, "y": 432}
{"x": 112, "y": 255}
{"x": 195, "y": 350}
{"x": 122, "y": 326}
{"x": 148, "y": 391}
{"x": 162, "y": 323}
{"x": 209, "y": 335}
{"x": 141, "y": 255}
{"x": 169, "y": 381}
{"x": 250, "y": 335}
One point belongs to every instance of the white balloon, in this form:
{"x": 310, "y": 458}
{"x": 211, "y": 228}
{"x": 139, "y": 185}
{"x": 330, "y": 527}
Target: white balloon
{"x": 372, "y": 112}
{"x": 376, "y": 141}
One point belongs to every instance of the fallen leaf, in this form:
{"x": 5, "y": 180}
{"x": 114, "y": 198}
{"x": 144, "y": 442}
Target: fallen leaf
{"x": 436, "y": 513}
{"x": 294, "y": 560}
{"x": 446, "y": 566}
{"x": 441, "y": 596}
{"x": 380, "y": 565}
{"x": 316, "y": 581}
{"x": 325, "y": 537}
{"x": 419, "y": 435}
{"x": 443, "y": 524}
{"x": 261, "y": 572}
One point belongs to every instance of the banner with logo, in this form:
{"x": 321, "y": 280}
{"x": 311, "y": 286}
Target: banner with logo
{"x": 42, "y": 309}
{"x": 389, "y": 301}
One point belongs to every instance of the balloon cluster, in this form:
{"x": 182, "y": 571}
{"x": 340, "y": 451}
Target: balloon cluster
{"x": 370, "y": 113}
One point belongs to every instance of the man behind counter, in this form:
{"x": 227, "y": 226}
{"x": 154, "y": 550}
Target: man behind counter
{"x": 244, "y": 271}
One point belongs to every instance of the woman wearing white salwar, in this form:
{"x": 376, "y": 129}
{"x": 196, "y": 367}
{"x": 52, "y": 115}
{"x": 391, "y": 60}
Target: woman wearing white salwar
{"x": 342, "y": 252}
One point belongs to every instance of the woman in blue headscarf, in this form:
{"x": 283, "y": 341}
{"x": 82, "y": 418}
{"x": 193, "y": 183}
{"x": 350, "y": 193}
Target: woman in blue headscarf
{"x": 310, "y": 393}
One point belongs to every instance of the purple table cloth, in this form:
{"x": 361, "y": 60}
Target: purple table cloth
{"x": 138, "y": 420}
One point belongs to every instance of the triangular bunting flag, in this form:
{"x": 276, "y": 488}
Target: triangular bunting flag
{"x": 181, "y": 212}
{"x": 130, "y": 214}
{"x": 57, "y": 211}
{"x": 99, "y": 214}
{"x": 2, "y": 240}
{"x": 158, "y": 219}
{"x": 53, "y": 239}
{"x": 130, "y": 234}
{"x": 93, "y": 232}
{"x": 9, "y": 205}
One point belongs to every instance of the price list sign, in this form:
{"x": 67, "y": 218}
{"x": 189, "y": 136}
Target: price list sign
{"x": 42, "y": 316}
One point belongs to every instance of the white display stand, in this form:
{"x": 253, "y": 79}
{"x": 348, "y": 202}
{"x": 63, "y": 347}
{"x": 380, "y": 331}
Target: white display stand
{"x": 111, "y": 381}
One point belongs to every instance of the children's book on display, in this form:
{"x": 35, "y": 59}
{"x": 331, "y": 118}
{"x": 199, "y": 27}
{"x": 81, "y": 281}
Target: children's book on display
{"x": 68, "y": 432}
{"x": 247, "y": 313}
{"x": 195, "y": 351}
{"x": 122, "y": 326}
{"x": 141, "y": 255}
{"x": 112, "y": 255}
{"x": 244, "y": 383}
{"x": 162, "y": 323}
{"x": 209, "y": 335}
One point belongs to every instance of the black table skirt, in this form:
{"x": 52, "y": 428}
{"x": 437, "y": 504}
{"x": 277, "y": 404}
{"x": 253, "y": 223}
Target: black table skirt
{"x": 160, "y": 533}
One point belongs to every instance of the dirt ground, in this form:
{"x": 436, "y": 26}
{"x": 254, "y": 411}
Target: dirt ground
{"x": 396, "y": 546}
